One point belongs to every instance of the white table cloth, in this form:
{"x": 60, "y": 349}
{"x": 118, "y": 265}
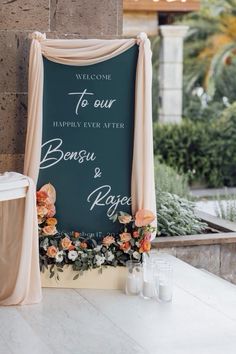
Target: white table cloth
{"x": 19, "y": 257}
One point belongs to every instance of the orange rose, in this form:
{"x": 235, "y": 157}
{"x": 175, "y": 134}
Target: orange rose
{"x": 125, "y": 219}
{"x": 135, "y": 234}
{"x": 76, "y": 234}
{"x": 144, "y": 217}
{"x": 52, "y": 251}
{"x": 51, "y": 221}
{"x": 108, "y": 240}
{"x": 65, "y": 243}
{"x": 83, "y": 245}
{"x": 125, "y": 246}
{"x": 49, "y": 230}
{"x": 41, "y": 196}
{"x": 145, "y": 246}
{"x": 125, "y": 237}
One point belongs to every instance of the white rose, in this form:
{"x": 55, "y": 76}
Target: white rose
{"x": 110, "y": 256}
{"x": 59, "y": 257}
{"x": 45, "y": 244}
{"x": 98, "y": 248}
{"x": 136, "y": 255}
{"x": 72, "y": 255}
{"x": 99, "y": 260}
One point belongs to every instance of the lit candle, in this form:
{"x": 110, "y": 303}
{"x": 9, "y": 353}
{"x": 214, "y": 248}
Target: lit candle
{"x": 133, "y": 286}
{"x": 165, "y": 292}
{"x": 148, "y": 289}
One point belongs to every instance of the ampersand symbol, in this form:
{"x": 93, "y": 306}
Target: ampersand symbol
{"x": 97, "y": 172}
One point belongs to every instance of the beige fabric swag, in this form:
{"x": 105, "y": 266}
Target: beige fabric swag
{"x": 86, "y": 52}
{"x": 19, "y": 255}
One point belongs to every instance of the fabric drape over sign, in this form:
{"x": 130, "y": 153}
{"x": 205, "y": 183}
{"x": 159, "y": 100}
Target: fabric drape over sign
{"x": 87, "y": 52}
{"x": 20, "y": 282}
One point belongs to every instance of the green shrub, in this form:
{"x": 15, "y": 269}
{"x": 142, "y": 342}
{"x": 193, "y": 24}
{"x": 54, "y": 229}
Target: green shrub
{"x": 226, "y": 208}
{"x": 225, "y": 145}
{"x": 168, "y": 180}
{"x": 175, "y": 216}
{"x": 186, "y": 147}
{"x": 206, "y": 152}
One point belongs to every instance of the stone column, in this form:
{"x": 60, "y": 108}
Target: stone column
{"x": 171, "y": 73}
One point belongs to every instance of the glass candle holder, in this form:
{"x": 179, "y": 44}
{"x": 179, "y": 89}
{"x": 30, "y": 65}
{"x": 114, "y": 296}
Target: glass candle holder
{"x": 148, "y": 289}
{"x": 163, "y": 280}
{"x": 134, "y": 278}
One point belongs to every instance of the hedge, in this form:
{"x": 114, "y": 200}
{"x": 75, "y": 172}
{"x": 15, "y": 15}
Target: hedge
{"x": 206, "y": 152}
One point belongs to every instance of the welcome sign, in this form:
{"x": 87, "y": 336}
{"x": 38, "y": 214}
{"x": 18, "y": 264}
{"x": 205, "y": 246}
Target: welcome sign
{"x": 87, "y": 140}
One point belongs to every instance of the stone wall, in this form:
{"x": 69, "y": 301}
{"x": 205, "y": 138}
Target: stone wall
{"x": 57, "y": 18}
{"x": 219, "y": 259}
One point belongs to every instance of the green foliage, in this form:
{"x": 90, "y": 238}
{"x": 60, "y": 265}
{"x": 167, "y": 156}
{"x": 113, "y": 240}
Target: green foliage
{"x": 205, "y": 152}
{"x": 226, "y": 209}
{"x": 225, "y": 145}
{"x": 186, "y": 147}
{"x": 194, "y": 107}
{"x": 175, "y": 216}
{"x": 168, "y": 180}
{"x": 210, "y": 59}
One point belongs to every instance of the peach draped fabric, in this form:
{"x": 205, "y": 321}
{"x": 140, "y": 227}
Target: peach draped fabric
{"x": 19, "y": 255}
{"x": 86, "y": 52}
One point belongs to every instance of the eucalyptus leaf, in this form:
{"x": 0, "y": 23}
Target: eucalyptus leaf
{"x": 76, "y": 277}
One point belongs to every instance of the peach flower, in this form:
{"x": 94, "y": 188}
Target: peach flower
{"x": 41, "y": 196}
{"x": 71, "y": 247}
{"x": 147, "y": 236}
{"x": 125, "y": 237}
{"x": 125, "y": 246}
{"x": 51, "y": 221}
{"x": 52, "y": 251}
{"x": 145, "y": 246}
{"x": 125, "y": 219}
{"x": 65, "y": 243}
{"x": 144, "y": 217}
{"x": 40, "y": 220}
{"x": 51, "y": 192}
{"x": 83, "y": 245}
{"x": 135, "y": 234}
{"x": 51, "y": 210}
{"x": 42, "y": 211}
{"x": 49, "y": 230}
{"x": 108, "y": 240}
{"x": 76, "y": 234}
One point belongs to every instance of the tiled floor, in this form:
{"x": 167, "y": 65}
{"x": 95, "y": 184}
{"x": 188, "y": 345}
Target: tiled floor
{"x": 200, "y": 320}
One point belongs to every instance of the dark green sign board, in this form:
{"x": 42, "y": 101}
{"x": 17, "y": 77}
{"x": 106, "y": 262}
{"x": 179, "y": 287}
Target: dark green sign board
{"x": 87, "y": 142}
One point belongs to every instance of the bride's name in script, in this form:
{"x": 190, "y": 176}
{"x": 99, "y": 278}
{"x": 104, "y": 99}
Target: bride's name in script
{"x": 102, "y": 196}
{"x": 52, "y": 154}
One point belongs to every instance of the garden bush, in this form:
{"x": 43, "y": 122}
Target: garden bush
{"x": 167, "y": 179}
{"x": 206, "y": 152}
{"x": 175, "y": 216}
{"x": 226, "y": 207}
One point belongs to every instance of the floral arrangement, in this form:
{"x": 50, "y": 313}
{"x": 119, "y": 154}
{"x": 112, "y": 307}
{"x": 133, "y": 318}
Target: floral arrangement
{"x": 58, "y": 249}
